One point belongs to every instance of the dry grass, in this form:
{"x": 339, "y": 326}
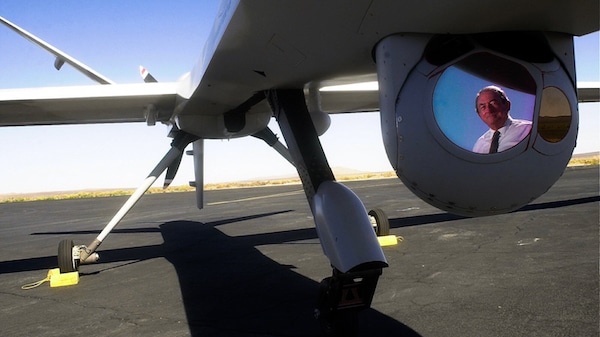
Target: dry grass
{"x": 175, "y": 189}
{"x": 584, "y": 161}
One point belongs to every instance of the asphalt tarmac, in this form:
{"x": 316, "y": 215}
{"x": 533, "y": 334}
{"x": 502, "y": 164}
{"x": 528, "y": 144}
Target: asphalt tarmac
{"x": 250, "y": 263}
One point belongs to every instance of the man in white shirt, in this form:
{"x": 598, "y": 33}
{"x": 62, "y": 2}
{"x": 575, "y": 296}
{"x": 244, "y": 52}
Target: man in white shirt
{"x": 493, "y": 106}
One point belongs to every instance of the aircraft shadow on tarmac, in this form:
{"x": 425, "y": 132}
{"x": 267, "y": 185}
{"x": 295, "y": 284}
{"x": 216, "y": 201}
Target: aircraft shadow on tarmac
{"x": 442, "y": 217}
{"x": 226, "y": 283}
{"x": 228, "y": 286}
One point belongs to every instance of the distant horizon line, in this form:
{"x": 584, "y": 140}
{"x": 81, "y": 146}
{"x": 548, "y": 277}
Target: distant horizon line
{"x": 588, "y": 159}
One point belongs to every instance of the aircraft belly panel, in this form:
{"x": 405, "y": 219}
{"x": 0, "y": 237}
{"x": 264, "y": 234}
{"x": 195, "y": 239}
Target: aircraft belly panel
{"x": 281, "y": 44}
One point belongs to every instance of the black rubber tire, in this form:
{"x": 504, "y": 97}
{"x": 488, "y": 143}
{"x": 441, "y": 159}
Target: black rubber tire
{"x": 383, "y": 224}
{"x": 65, "y": 256}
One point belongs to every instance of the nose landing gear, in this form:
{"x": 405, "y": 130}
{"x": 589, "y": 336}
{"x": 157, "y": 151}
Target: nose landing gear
{"x": 71, "y": 256}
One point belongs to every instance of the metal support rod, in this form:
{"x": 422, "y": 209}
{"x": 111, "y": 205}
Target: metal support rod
{"x": 198, "y": 152}
{"x": 271, "y": 139}
{"x": 289, "y": 107}
{"x": 177, "y": 146}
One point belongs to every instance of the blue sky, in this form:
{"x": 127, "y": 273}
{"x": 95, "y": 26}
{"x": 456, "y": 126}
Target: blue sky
{"x": 114, "y": 38}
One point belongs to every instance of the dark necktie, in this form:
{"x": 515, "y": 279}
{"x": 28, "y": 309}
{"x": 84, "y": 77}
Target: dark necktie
{"x": 494, "y": 144}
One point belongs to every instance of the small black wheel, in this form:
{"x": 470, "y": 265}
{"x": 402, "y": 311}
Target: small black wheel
{"x": 382, "y": 227}
{"x": 65, "y": 256}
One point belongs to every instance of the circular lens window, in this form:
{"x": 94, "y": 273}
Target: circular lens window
{"x": 480, "y": 95}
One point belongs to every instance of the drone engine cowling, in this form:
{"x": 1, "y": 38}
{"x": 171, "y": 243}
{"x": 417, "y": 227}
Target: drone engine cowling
{"x": 428, "y": 86}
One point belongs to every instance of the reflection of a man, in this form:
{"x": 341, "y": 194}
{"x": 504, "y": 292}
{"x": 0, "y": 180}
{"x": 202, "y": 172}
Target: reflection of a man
{"x": 493, "y": 106}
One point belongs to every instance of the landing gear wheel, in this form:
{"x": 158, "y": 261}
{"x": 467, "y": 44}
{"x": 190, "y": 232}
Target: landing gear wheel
{"x": 334, "y": 323}
{"x": 382, "y": 227}
{"x": 66, "y": 263}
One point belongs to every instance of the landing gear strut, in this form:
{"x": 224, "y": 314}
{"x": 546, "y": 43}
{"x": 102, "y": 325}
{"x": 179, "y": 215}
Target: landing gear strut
{"x": 345, "y": 231}
{"x": 71, "y": 256}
